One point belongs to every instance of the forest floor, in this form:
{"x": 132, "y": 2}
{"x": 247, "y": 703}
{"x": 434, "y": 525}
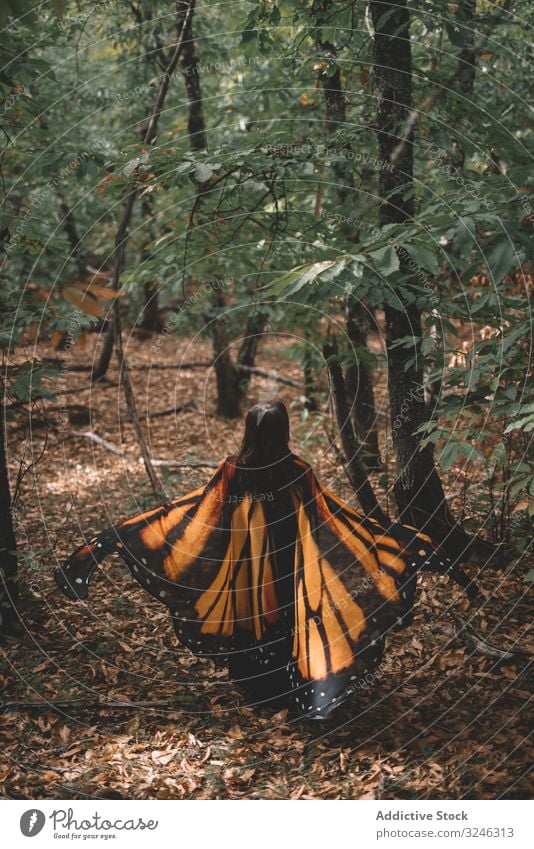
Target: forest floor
{"x": 439, "y": 721}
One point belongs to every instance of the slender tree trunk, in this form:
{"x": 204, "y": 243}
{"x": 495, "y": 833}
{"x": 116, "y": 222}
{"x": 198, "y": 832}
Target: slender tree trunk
{"x": 310, "y": 381}
{"x": 466, "y": 73}
{"x": 335, "y": 119}
{"x": 359, "y": 375}
{"x": 151, "y": 320}
{"x": 150, "y": 313}
{"x": 351, "y": 446}
{"x": 418, "y": 490}
{"x": 196, "y": 127}
{"x": 468, "y": 54}
{"x": 359, "y": 381}
{"x": 228, "y": 389}
{"x": 106, "y": 352}
{"x": 8, "y": 544}
{"x": 121, "y": 240}
{"x": 228, "y": 378}
{"x": 255, "y": 327}
{"x": 69, "y": 225}
{"x": 71, "y": 230}
{"x": 122, "y": 233}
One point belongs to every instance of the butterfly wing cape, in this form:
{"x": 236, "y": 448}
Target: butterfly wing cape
{"x": 305, "y": 617}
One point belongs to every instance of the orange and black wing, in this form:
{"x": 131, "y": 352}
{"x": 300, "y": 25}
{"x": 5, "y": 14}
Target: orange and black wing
{"x": 205, "y": 556}
{"x": 355, "y": 582}
{"x": 344, "y": 603}
{"x": 159, "y": 546}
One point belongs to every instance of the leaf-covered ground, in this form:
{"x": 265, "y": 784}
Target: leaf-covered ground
{"x": 438, "y": 721}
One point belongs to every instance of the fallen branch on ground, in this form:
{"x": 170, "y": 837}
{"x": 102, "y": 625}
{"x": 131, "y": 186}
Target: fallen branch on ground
{"x": 466, "y": 633}
{"x": 195, "y": 464}
{"x": 88, "y": 704}
{"x": 183, "y": 408}
{"x": 271, "y": 375}
{"x": 115, "y": 449}
{"x": 55, "y": 361}
{"x": 94, "y": 437}
{"x": 189, "y": 407}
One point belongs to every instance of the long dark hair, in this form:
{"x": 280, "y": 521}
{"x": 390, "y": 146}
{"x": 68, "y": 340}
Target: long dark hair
{"x": 264, "y": 458}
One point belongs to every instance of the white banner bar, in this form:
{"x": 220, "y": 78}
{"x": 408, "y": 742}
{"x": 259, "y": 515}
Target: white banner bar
{"x": 268, "y": 824}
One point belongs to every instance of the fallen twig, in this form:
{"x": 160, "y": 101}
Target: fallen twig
{"x": 115, "y": 449}
{"x": 56, "y": 361}
{"x": 168, "y": 411}
{"x": 271, "y": 375}
{"x": 94, "y": 437}
{"x": 87, "y": 704}
{"x": 467, "y": 633}
{"x": 190, "y": 407}
{"x": 195, "y": 464}
{"x": 182, "y": 408}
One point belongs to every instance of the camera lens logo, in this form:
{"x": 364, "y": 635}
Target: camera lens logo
{"x": 32, "y": 822}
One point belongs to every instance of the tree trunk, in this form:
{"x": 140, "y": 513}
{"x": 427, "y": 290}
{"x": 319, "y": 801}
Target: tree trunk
{"x": 359, "y": 381}
{"x": 151, "y": 320}
{"x": 227, "y": 375}
{"x": 106, "y": 352}
{"x": 335, "y": 118}
{"x": 359, "y": 377}
{"x": 418, "y": 490}
{"x": 351, "y": 446}
{"x": 69, "y": 225}
{"x": 466, "y": 72}
{"x": 122, "y": 236}
{"x": 468, "y": 54}
{"x": 228, "y": 391}
{"x": 8, "y": 544}
{"x": 189, "y": 65}
{"x": 246, "y": 357}
{"x": 310, "y": 381}
{"x": 121, "y": 240}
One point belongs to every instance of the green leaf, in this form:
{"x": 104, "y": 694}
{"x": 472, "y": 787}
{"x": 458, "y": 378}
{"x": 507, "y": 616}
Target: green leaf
{"x": 130, "y": 166}
{"x": 423, "y": 257}
{"x": 428, "y": 344}
{"x": 204, "y": 171}
{"x": 500, "y": 259}
{"x": 469, "y": 452}
{"x": 385, "y": 260}
{"x": 448, "y": 455}
{"x": 526, "y": 424}
{"x": 464, "y": 235}
{"x": 518, "y": 486}
{"x": 295, "y": 279}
